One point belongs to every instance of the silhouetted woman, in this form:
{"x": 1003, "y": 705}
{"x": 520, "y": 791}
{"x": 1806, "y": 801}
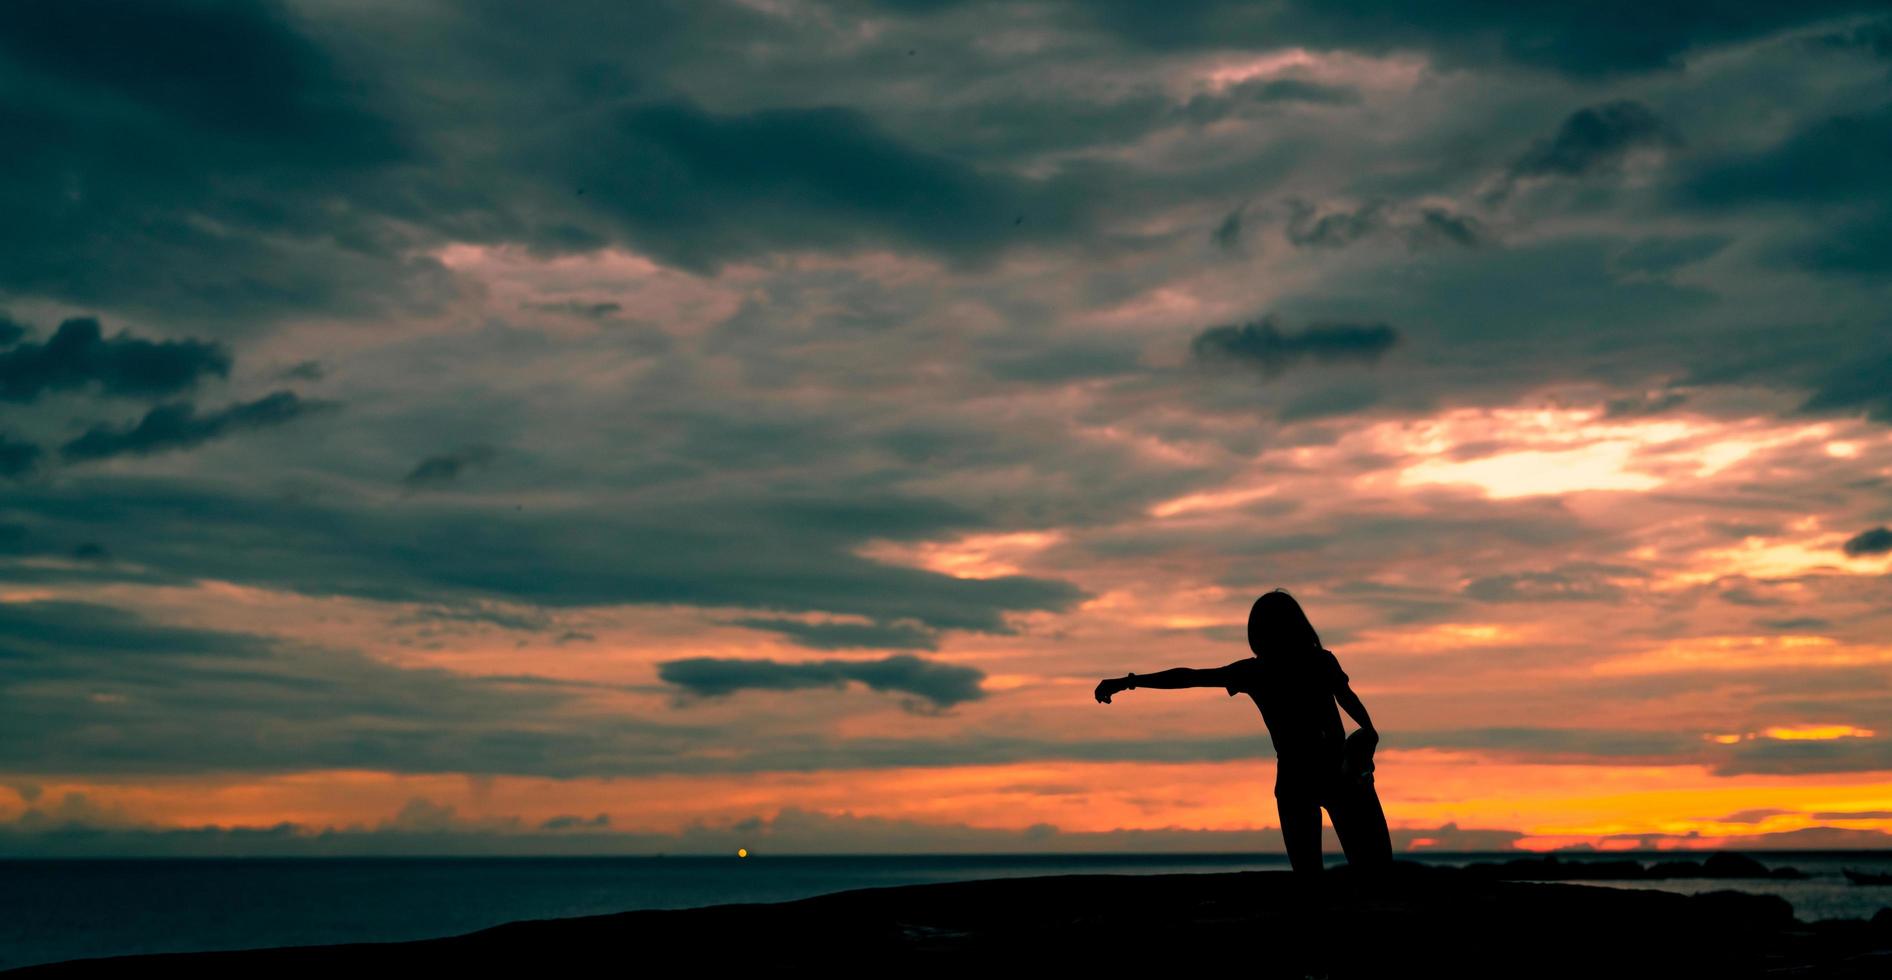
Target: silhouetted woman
{"x": 1295, "y": 682}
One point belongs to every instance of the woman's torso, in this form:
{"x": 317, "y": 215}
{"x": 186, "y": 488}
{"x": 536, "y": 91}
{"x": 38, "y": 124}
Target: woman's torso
{"x": 1295, "y": 693}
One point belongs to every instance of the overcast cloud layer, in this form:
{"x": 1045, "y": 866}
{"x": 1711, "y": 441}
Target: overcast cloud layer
{"x": 651, "y": 426}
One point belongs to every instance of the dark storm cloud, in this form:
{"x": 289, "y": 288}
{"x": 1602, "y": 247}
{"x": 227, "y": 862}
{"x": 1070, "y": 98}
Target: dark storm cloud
{"x": 847, "y": 636}
{"x": 11, "y": 330}
{"x": 1834, "y": 167}
{"x": 245, "y": 194}
{"x": 1839, "y": 160}
{"x": 1874, "y": 38}
{"x": 1309, "y": 227}
{"x": 1263, "y": 344}
{"x": 1856, "y": 384}
{"x": 1021, "y": 124}
{"x": 315, "y": 165}
{"x": 17, "y": 456}
{"x": 1551, "y": 308}
{"x": 1859, "y": 248}
{"x": 1876, "y": 541}
{"x": 782, "y": 551}
{"x": 232, "y": 67}
{"x": 318, "y": 166}
{"x": 436, "y": 471}
{"x": 1593, "y": 138}
{"x": 941, "y": 685}
{"x": 696, "y": 188}
{"x": 79, "y": 355}
{"x": 177, "y": 426}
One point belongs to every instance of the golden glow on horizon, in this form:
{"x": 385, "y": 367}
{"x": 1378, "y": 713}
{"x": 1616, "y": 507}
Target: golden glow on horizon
{"x": 1796, "y": 733}
{"x": 1817, "y": 732}
{"x": 1441, "y": 795}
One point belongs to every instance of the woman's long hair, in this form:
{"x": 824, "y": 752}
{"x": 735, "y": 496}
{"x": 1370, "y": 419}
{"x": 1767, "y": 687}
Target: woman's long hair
{"x": 1276, "y": 621}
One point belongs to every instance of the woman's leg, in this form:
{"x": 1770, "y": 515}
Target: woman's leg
{"x": 1299, "y": 808}
{"x": 1360, "y": 824}
{"x": 1298, "y": 803}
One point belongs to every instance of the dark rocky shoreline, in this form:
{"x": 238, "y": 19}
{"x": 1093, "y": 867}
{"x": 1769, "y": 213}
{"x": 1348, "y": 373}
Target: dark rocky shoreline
{"x": 1721, "y": 864}
{"x": 1459, "y": 922}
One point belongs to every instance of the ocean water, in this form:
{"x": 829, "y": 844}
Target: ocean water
{"x": 65, "y": 909}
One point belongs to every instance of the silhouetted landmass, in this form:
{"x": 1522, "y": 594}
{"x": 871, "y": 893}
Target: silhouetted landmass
{"x": 1460, "y": 923}
{"x": 1721, "y": 864}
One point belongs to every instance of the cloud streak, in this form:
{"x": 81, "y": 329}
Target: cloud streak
{"x": 1262, "y": 344}
{"x": 177, "y": 426}
{"x": 936, "y": 684}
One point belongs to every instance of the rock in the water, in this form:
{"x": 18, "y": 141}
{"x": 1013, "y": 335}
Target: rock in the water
{"x": 1723, "y": 864}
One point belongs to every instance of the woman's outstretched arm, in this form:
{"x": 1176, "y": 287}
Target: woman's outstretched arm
{"x": 1172, "y": 679}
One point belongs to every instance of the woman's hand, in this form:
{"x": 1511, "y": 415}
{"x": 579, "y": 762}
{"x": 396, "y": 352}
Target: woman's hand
{"x": 1109, "y": 686}
{"x": 1357, "y": 753}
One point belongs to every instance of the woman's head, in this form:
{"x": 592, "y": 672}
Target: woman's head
{"x": 1276, "y": 620}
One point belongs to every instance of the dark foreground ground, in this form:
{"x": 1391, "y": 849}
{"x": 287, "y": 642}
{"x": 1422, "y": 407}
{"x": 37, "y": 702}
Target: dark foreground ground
{"x": 1253, "y": 924}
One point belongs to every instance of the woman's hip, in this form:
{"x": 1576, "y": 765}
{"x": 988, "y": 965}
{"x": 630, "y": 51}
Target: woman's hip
{"x": 1314, "y": 775}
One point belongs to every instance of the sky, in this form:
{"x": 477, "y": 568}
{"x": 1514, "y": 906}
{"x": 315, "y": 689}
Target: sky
{"x": 481, "y": 427}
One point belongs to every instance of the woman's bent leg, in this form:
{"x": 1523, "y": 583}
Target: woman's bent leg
{"x": 1360, "y": 824}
